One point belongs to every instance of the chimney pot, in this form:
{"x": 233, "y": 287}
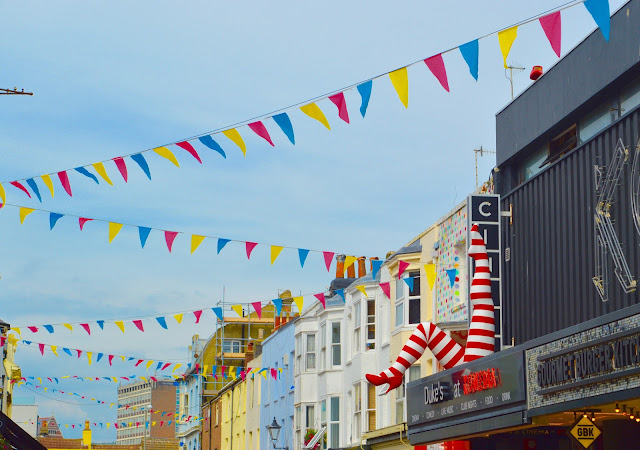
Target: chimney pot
{"x": 362, "y": 270}
{"x": 340, "y": 266}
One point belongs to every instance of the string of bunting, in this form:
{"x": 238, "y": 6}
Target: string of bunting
{"x": 550, "y": 22}
{"x": 118, "y": 425}
{"x": 170, "y": 236}
{"x": 258, "y": 306}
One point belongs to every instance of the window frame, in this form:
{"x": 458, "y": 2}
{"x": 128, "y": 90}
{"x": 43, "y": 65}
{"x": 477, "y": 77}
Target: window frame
{"x": 334, "y": 434}
{"x": 323, "y": 346}
{"x": 370, "y": 342}
{"x": 336, "y": 345}
{"x": 357, "y": 326}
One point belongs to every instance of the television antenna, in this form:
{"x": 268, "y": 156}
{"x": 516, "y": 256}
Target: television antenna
{"x": 481, "y": 151}
{"x": 14, "y": 91}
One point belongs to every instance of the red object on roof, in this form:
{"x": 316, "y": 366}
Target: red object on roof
{"x": 535, "y": 72}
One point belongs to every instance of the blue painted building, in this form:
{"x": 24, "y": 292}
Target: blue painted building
{"x": 189, "y": 399}
{"x": 278, "y": 352}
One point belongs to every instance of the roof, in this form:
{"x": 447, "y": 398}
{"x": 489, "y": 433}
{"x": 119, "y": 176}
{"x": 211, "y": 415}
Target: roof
{"x": 414, "y": 247}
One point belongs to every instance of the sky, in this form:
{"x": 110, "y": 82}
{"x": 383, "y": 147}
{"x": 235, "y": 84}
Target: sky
{"x": 115, "y": 78}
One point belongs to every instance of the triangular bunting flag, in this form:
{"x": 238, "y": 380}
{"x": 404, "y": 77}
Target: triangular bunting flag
{"x": 599, "y": 10}
{"x": 237, "y": 139}
{"x": 222, "y": 243}
{"x": 402, "y": 266}
{"x": 3, "y": 196}
{"x": 100, "y": 324}
{"x": 99, "y": 167}
{"x": 299, "y": 301}
{"x": 275, "y": 252}
{"x": 277, "y": 302}
{"x": 166, "y": 153}
{"x": 302, "y": 255}
{"x": 53, "y": 219}
{"x": 436, "y": 66}
{"x": 258, "y": 308}
{"x": 197, "y": 314}
{"x": 120, "y": 325}
{"x": 139, "y": 159}
{"x": 386, "y": 288}
{"x": 122, "y": 167}
{"x": 376, "y": 264}
{"x": 259, "y": 129}
{"x": 196, "y": 240}
{"x": 64, "y": 180}
{"x": 362, "y": 289}
{"x": 430, "y": 271}
{"x": 238, "y": 310}
{"x": 86, "y": 327}
{"x": 114, "y": 229}
{"x": 169, "y": 237}
{"x": 400, "y": 81}
{"x": 249, "y": 247}
{"x": 21, "y": 187}
{"x": 138, "y": 324}
{"x": 47, "y": 181}
{"x": 178, "y": 317}
{"x": 218, "y": 313}
{"x": 321, "y": 299}
{"x": 506, "y": 38}
{"x": 189, "y": 148}
{"x": 340, "y": 102}
{"x": 348, "y": 261}
{"x": 34, "y": 187}
{"x": 213, "y": 145}
{"x": 89, "y": 354}
{"x": 340, "y": 292}
{"x": 284, "y": 123}
{"x": 82, "y": 221}
{"x": 24, "y": 212}
{"x": 163, "y": 322}
{"x": 49, "y": 328}
{"x": 452, "y": 276}
{"x": 68, "y": 326}
{"x": 552, "y": 27}
{"x": 41, "y": 346}
{"x": 328, "y": 259}
{"x": 312, "y": 110}
{"x": 365, "y": 92}
{"x": 54, "y": 349}
{"x": 409, "y": 281}
{"x": 144, "y": 235}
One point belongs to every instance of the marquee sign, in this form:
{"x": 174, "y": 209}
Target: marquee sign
{"x": 489, "y": 383}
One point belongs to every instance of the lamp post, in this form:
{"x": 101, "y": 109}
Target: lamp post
{"x": 274, "y": 434}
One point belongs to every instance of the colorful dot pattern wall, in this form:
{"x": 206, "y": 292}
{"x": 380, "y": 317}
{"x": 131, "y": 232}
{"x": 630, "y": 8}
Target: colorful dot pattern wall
{"x": 451, "y": 301}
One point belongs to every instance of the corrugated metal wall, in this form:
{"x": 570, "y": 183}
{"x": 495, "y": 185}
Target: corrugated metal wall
{"x": 548, "y": 281}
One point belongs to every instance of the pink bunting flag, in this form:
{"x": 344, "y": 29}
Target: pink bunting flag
{"x": 402, "y": 266}
{"x": 250, "y": 247}
{"x": 110, "y": 359}
{"x": 274, "y": 373}
{"x": 33, "y": 329}
{"x": 328, "y": 259}
{"x": 165, "y": 366}
{"x": 188, "y": 147}
{"x": 258, "y": 307}
{"x": 154, "y": 379}
{"x": 122, "y": 167}
{"x": 20, "y": 186}
{"x": 86, "y": 328}
{"x": 2, "y": 339}
{"x": 64, "y": 181}
{"x": 436, "y": 66}
{"x": 222, "y": 371}
{"x": 339, "y": 101}
{"x": 259, "y": 129}
{"x": 41, "y": 346}
{"x": 138, "y": 323}
{"x": 72, "y": 425}
{"x": 197, "y": 314}
{"x": 243, "y": 375}
{"x": 79, "y": 352}
{"x": 321, "y": 298}
{"x": 115, "y": 425}
{"x": 139, "y": 362}
{"x": 552, "y": 26}
{"x": 82, "y": 221}
{"x": 386, "y": 288}
{"x": 169, "y": 237}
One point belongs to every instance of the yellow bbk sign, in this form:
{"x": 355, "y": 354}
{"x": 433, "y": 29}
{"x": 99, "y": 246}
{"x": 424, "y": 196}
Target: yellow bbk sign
{"x": 585, "y": 432}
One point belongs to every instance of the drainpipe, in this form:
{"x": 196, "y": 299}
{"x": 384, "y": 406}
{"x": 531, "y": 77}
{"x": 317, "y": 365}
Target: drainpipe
{"x": 231, "y": 441}
{"x": 405, "y": 444}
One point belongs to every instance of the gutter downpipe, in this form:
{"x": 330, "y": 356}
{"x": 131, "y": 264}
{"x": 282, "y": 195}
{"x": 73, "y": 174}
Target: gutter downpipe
{"x": 405, "y": 444}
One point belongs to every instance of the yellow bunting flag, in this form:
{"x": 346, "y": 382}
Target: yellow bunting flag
{"x": 312, "y": 110}
{"x": 120, "y": 325}
{"x": 237, "y": 309}
{"x": 178, "y": 318}
{"x": 122, "y": 356}
{"x": 45, "y": 389}
{"x": 114, "y": 229}
{"x": 176, "y": 367}
{"x": 430, "y": 270}
{"x": 89, "y": 354}
{"x": 115, "y": 380}
{"x": 17, "y": 330}
{"x": 264, "y": 374}
{"x": 54, "y": 349}
{"x": 149, "y": 364}
{"x": 348, "y": 261}
{"x": 108, "y": 423}
{"x": 48, "y": 183}
{"x": 206, "y": 368}
{"x": 3, "y": 196}
{"x": 195, "y": 242}
{"x": 24, "y": 212}
{"x": 166, "y": 153}
{"x": 275, "y": 252}
{"x": 299, "y": 302}
{"x": 102, "y": 172}
{"x": 145, "y": 380}
{"x": 237, "y": 139}
{"x": 153, "y": 424}
{"x": 68, "y": 325}
{"x": 506, "y": 39}
{"x": 400, "y": 81}
{"x": 39, "y": 379}
{"x": 361, "y": 289}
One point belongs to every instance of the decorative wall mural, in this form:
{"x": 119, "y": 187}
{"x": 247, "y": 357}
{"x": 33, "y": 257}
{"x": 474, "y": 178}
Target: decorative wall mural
{"x": 450, "y": 304}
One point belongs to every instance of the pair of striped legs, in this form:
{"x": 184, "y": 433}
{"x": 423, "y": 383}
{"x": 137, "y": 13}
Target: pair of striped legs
{"x": 481, "y": 338}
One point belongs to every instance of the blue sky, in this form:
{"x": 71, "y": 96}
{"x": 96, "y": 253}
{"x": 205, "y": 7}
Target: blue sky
{"x": 113, "y": 78}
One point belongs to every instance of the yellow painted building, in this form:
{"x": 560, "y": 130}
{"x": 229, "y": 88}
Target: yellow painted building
{"x": 233, "y": 434}
{"x": 11, "y": 369}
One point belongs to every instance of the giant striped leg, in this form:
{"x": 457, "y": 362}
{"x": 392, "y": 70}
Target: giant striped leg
{"x": 443, "y": 347}
{"x": 481, "y": 340}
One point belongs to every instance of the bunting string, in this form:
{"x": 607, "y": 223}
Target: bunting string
{"x": 170, "y": 236}
{"x": 549, "y": 20}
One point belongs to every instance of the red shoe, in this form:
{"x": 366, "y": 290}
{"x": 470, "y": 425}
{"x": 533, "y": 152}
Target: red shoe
{"x": 378, "y": 380}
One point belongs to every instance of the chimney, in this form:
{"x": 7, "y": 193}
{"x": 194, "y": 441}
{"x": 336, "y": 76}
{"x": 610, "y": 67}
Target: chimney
{"x": 340, "y": 266}
{"x": 248, "y": 356}
{"x": 362, "y": 270}
{"x": 351, "y": 271}
{"x": 287, "y": 301}
{"x": 373, "y": 258}
{"x": 86, "y": 435}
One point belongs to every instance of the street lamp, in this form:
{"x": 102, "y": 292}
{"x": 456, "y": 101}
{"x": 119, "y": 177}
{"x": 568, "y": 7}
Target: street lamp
{"x": 274, "y": 434}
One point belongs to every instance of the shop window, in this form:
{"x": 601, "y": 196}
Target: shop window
{"x": 630, "y": 96}
{"x": 597, "y": 120}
